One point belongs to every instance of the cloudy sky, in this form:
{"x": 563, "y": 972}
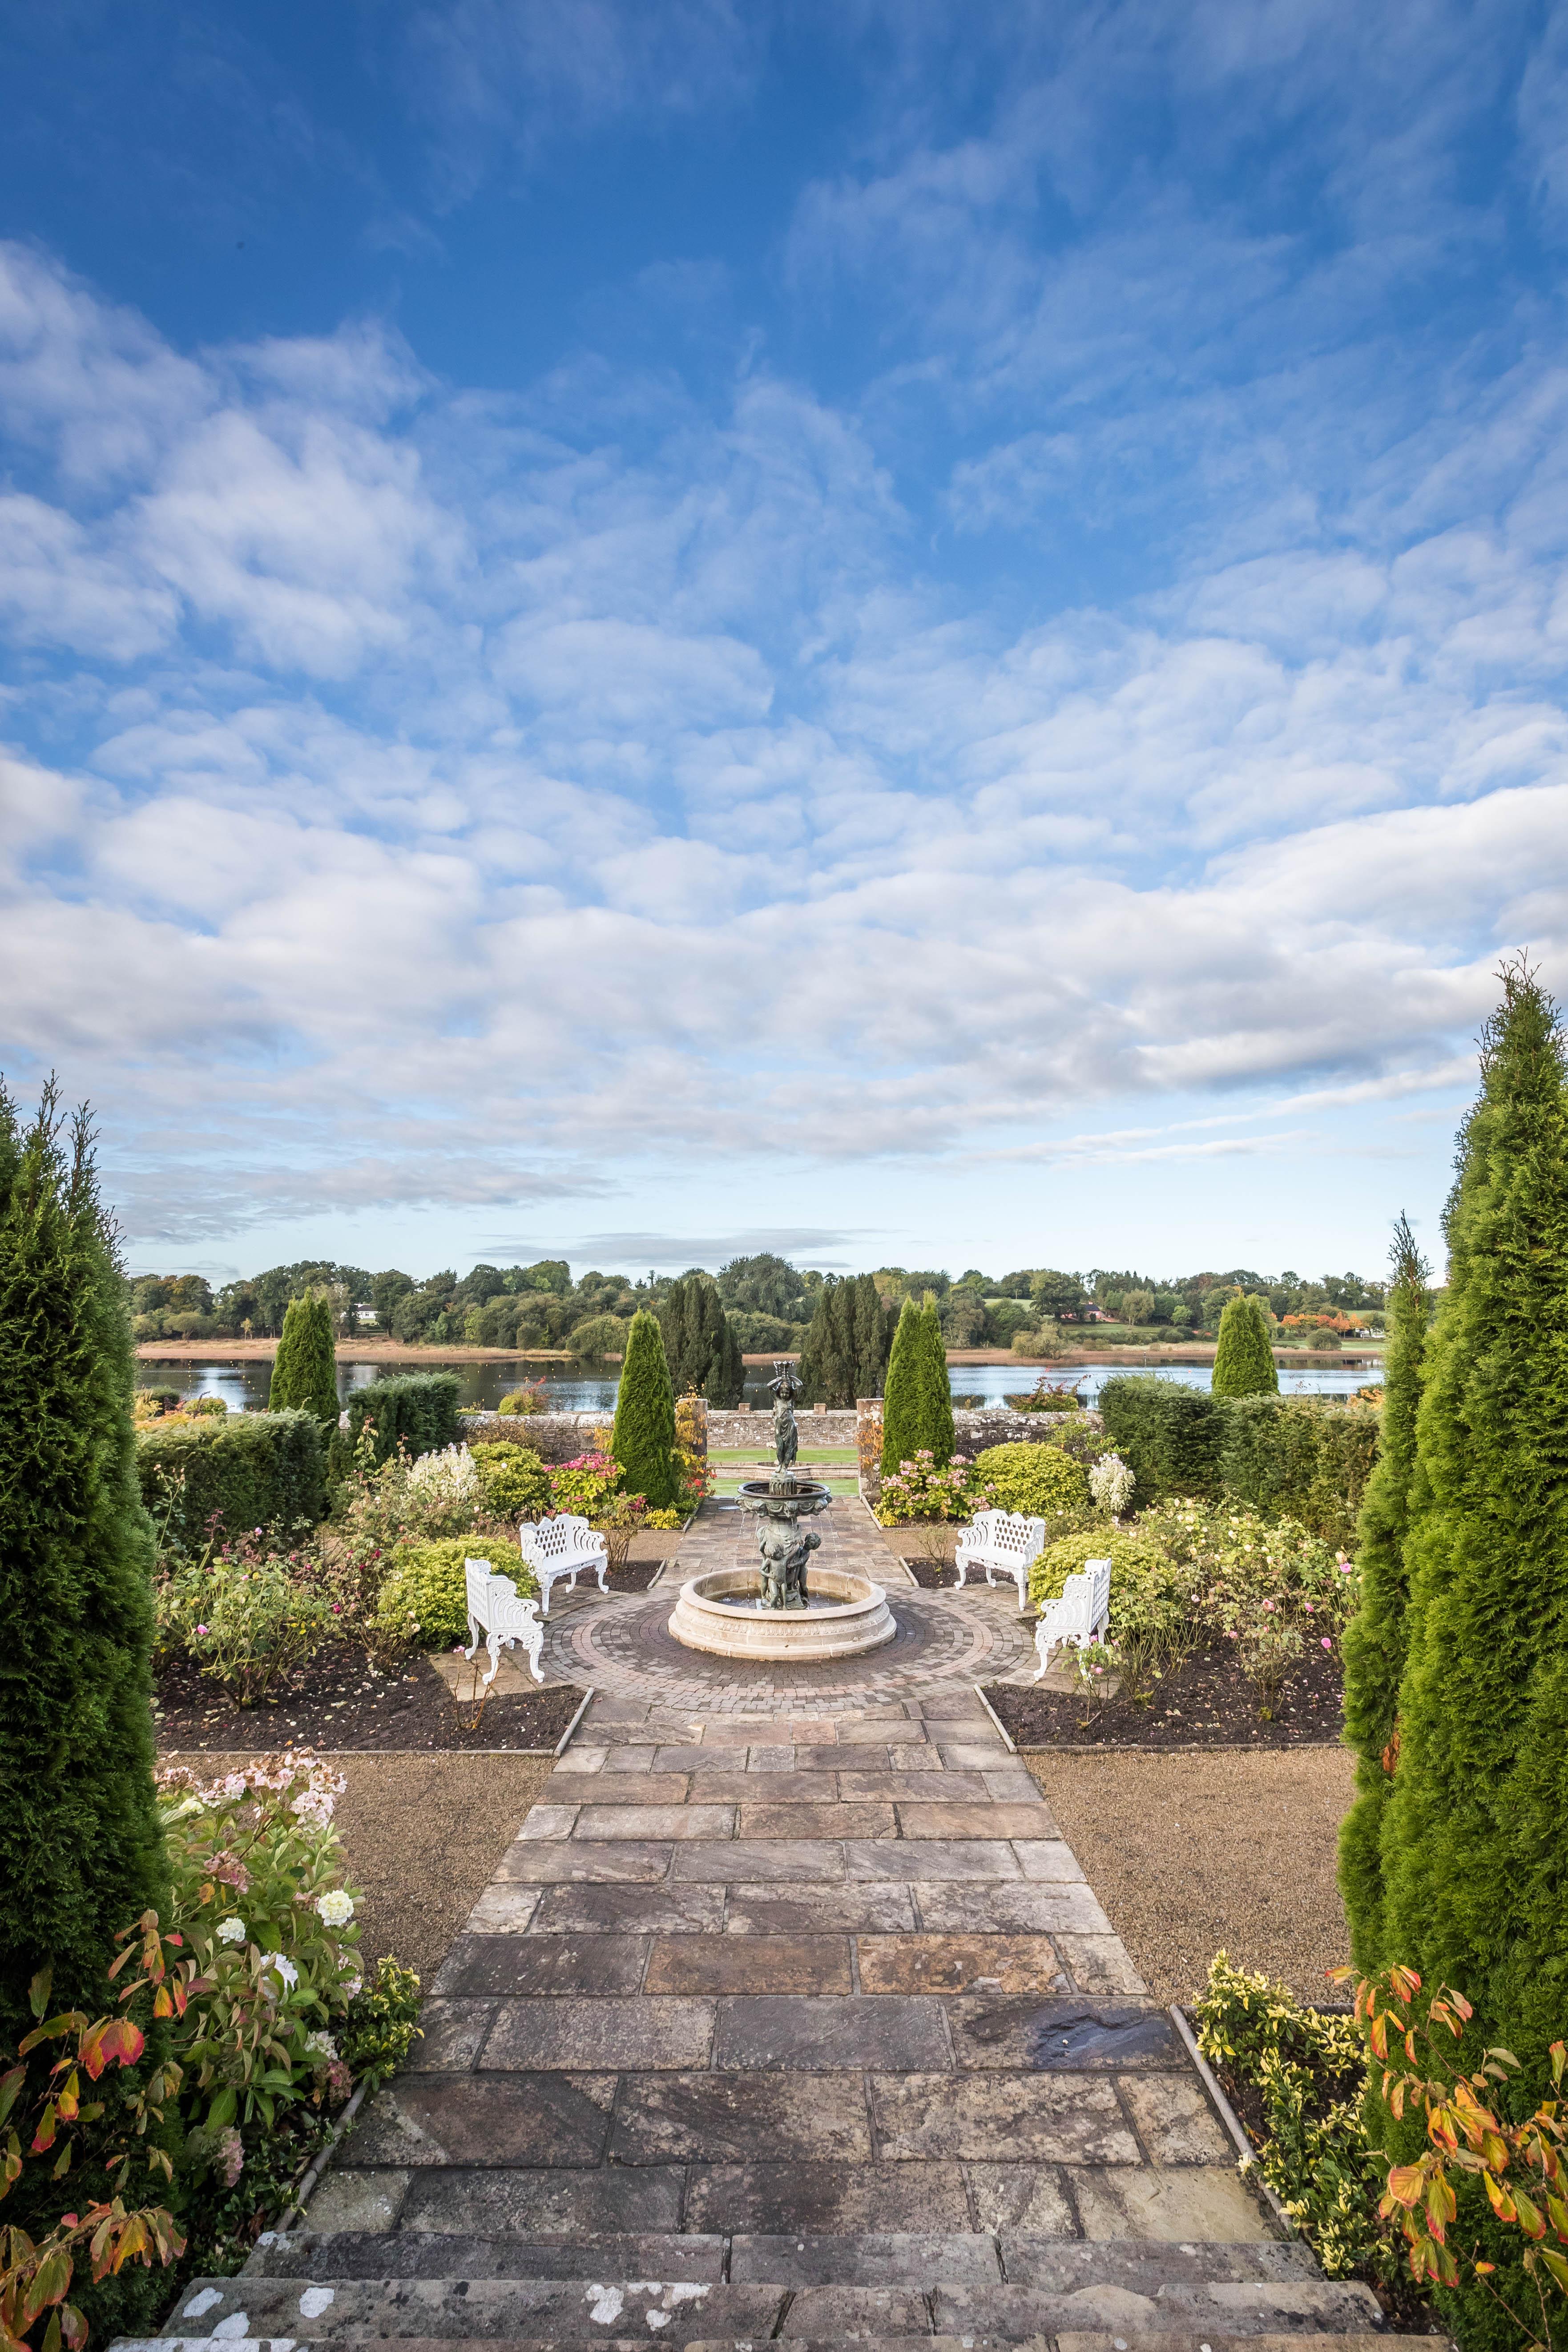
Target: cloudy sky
{"x": 642, "y": 628}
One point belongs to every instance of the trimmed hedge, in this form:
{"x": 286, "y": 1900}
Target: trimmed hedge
{"x": 418, "y": 1410}
{"x": 1301, "y": 1458}
{"x": 251, "y": 1470}
{"x": 1168, "y": 1435}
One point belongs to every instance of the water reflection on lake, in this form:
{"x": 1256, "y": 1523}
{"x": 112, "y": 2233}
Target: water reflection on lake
{"x": 480, "y": 1386}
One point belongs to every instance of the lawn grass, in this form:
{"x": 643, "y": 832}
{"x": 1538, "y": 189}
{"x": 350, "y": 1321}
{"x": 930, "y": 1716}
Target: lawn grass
{"x": 763, "y": 1452}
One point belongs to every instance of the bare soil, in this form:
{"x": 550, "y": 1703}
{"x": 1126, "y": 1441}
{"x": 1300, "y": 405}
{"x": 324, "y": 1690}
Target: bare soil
{"x": 344, "y": 1704}
{"x": 1207, "y": 1701}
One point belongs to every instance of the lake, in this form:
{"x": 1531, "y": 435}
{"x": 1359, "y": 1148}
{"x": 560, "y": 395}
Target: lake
{"x": 482, "y": 1386}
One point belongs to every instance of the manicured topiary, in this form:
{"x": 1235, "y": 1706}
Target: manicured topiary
{"x": 1244, "y": 1360}
{"x": 80, "y": 1854}
{"x": 1374, "y": 1645}
{"x": 305, "y": 1369}
{"x": 643, "y": 1440}
{"x": 1169, "y": 1435}
{"x": 1474, "y": 1894}
{"x": 938, "y": 1388}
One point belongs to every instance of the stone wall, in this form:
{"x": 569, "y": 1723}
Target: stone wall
{"x": 553, "y": 1436}
{"x": 817, "y": 1426}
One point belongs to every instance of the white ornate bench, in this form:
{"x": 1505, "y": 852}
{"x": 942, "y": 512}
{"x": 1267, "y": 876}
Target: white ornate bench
{"x": 498, "y": 1610}
{"x": 1004, "y": 1540}
{"x": 558, "y": 1547}
{"x": 1082, "y": 1614}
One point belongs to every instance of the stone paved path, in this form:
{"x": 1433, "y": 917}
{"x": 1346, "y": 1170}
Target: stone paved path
{"x": 829, "y": 1966}
{"x": 787, "y": 2015}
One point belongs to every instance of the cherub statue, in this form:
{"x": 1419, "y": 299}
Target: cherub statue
{"x": 786, "y": 1549}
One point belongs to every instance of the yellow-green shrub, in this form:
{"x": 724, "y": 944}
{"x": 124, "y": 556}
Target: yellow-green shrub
{"x": 1142, "y": 1572}
{"x": 516, "y": 1483}
{"x": 424, "y": 1596}
{"x": 1038, "y": 1480}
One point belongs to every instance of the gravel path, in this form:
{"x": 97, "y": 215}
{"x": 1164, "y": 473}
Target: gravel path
{"x": 1192, "y": 1855}
{"x": 422, "y": 1834}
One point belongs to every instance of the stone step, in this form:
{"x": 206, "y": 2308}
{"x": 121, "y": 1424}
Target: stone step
{"x": 887, "y": 2258}
{"x": 441, "y": 2311}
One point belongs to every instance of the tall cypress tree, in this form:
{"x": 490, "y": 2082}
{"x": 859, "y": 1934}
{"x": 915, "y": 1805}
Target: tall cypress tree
{"x": 305, "y": 1369}
{"x": 936, "y": 1388}
{"x": 826, "y": 1359}
{"x": 700, "y": 1349}
{"x": 643, "y": 1440}
{"x": 903, "y": 1420}
{"x": 80, "y": 1851}
{"x": 1375, "y": 1644}
{"x": 874, "y": 1325}
{"x": 1244, "y": 1360}
{"x": 1473, "y": 1896}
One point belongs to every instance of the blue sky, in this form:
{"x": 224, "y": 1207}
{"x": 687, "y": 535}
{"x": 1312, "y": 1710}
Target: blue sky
{"x": 908, "y": 633}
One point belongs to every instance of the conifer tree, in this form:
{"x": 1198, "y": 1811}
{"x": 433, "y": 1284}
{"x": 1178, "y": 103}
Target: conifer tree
{"x": 873, "y": 1338}
{"x": 936, "y": 1387}
{"x": 1374, "y": 1646}
{"x": 903, "y": 1424}
{"x": 305, "y": 1369}
{"x": 1475, "y": 1893}
{"x": 826, "y": 1359}
{"x": 1244, "y": 1360}
{"x": 643, "y": 1440}
{"x": 700, "y": 1349}
{"x": 80, "y": 1851}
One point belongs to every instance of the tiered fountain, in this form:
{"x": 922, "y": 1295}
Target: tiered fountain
{"x": 770, "y": 1611}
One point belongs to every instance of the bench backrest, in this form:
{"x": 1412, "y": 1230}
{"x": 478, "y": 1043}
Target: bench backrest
{"x": 1008, "y": 1532}
{"x": 494, "y": 1598}
{"x": 1085, "y": 1598}
{"x": 553, "y": 1540}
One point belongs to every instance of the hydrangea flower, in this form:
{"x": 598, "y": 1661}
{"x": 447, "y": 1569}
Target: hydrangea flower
{"x": 285, "y": 1968}
{"x": 231, "y": 1930}
{"x": 336, "y": 1908}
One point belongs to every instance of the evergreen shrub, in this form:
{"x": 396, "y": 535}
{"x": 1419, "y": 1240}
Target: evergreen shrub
{"x": 1169, "y": 1435}
{"x": 1038, "y": 1480}
{"x": 1244, "y": 1360}
{"x": 515, "y": 1481}
{"x": 249, "y": 1470}
{"x": 1473, "y": 1889}
{"x": 1306, "y": 1458}
{"x": 418, "y": 1411}
{"x": 305, "y": 1369}
{"x": 424, "y": 1596}
{"x": 643, "y": 1439}
{"x": 80, "y": 1850}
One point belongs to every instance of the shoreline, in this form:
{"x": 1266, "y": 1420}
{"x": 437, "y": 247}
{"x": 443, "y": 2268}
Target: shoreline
{"x": 396, "y": 1351}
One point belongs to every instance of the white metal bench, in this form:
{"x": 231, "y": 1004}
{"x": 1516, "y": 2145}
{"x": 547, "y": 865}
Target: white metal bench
{"x": 1082, "y": 1614}
{"x": 558, "y": 1547}
{"x": 1004, "y": 1540}
{"x": 496, "y": 1609}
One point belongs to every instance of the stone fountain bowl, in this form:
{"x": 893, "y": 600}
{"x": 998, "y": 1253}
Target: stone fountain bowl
{"x": 804, "y": 1497}
{"x": 848, "y": 1615}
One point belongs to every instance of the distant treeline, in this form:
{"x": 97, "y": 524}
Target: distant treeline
{"x": 768, "y": 1304}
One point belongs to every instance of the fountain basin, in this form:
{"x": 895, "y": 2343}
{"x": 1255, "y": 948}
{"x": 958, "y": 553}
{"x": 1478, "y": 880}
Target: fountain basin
{"x": 848, "y": 1614}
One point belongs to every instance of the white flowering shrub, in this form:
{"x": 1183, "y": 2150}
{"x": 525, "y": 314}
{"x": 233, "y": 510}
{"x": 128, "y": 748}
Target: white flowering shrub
{"x": 1111, "y": 1484}
{"x": 451, "y": 1476}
